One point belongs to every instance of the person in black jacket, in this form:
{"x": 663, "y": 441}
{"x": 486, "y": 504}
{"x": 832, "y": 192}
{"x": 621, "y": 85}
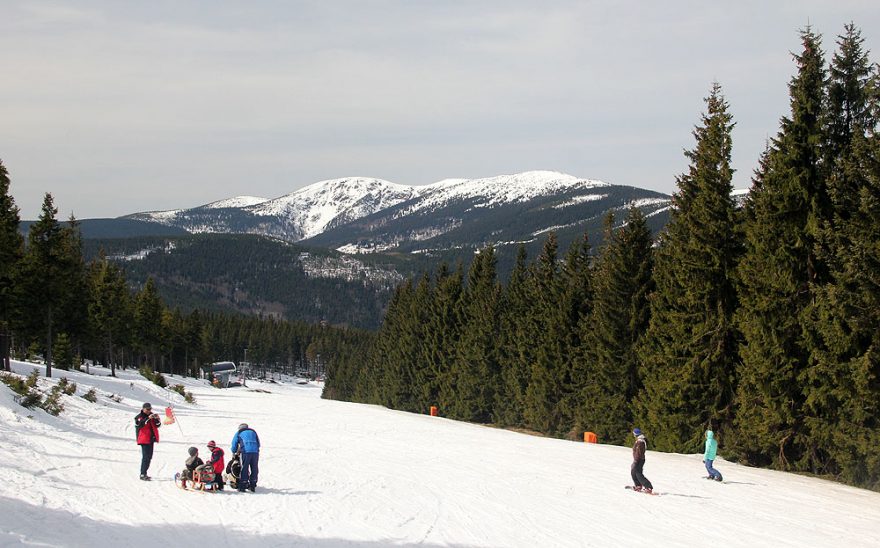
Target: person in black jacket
{"x": 640, "y": 482}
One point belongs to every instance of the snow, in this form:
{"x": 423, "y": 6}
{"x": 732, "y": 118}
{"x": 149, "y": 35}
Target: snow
{"x": 503, "y": 189}
{"x": 237, "y": 201}
{"x": 581, "y": 199}
{"x": 316, "y": 206}
{"x": 342, "y": 474}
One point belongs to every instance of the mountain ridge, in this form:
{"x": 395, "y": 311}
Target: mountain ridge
{"x": 363, "y": 214}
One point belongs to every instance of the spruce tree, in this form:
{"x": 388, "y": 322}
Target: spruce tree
{"x": 576, "y": 303}
{"x": 11, "y": 251}
{"x": 515, "y": 345}
{"x": 110, "y": 309}
{"x": 444, "y": 330}
{"x": 838, "y": 408}
{"x": 40, "y": 284}
{"x": 777, "y": 272}
{"x": 688, "y": 353}
{"x": 623, "y": 279}
{"x": 148, "y": 310}
{"x": 475, "y": 370}
{"x": 546, "y": 329}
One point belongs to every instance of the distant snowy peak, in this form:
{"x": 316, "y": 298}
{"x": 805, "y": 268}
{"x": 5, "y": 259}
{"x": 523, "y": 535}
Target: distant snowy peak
{"x": 504, "y": 189}
{"x": 335, "y": 201}
{"x": 236, "y": 202}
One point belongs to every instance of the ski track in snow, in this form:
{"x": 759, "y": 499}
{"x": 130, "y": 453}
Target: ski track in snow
{"x": 342, "y": 474}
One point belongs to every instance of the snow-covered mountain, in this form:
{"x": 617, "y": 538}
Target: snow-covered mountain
{"x": 336, "y": 474}
{"x": 364, "y": 214}
{"x": 292, "y": 217}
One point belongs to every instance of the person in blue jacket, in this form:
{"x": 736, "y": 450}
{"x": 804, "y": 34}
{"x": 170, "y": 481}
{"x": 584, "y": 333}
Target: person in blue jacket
{"x": 247, "y": 442}
{"x": 709, "y": 456}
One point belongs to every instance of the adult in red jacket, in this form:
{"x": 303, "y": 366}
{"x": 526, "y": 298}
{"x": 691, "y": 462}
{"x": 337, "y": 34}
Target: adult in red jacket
{"x": 218, "y": 464}
{"x": 146, "y": 425}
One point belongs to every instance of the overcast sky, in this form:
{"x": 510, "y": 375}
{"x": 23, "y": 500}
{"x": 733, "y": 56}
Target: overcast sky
{"x": 119, "y": 107}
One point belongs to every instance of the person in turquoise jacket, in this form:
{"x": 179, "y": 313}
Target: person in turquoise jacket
{"x": 709, "y": 456}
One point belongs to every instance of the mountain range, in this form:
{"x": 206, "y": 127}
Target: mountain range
{"x": 357, "y": 214}
{"x": 334, "y": 250}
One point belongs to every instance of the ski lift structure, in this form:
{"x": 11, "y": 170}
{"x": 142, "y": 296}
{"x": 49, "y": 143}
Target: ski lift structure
{"x": 221, "y": 371}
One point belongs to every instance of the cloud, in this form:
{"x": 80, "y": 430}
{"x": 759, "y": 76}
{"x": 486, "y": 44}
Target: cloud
{"x": 190, "y": 102}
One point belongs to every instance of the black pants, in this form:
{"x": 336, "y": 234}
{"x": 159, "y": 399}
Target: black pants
{"x": 639, "y": 479}
{"x": 146, "y": 457}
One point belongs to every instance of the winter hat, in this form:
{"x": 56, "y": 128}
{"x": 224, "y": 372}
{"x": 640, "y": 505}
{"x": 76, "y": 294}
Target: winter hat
{"x": 637, "y": 432}
{"x": 243, "y": 426}
{"x": 147, "y": 406}
{"x": 211, "y": 444}
{"x": 193, "y": 451}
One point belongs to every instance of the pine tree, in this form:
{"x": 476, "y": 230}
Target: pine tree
{"x": 778, "y": 269}
{"x": 541, "y": 411}
{"x": 443, "y": 332}
{"x": 515, "y": 345}
{"x": 576, "y": 304}
{"x": 623, "y": 279}
{"x": 688, "y": 353}
{"x": 148, "y": 310}
{"x": 475, "y": 370}
{"x": 11, "y": 251}
{"x": 110, "y": 309}
{"x": 838, "y": 407}
{"x": 40, "y": 284}
{"x": 73, "y": 310}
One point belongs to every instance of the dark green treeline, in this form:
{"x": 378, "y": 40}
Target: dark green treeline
{"x": 54, "y": 304}
{"x": 760, "y": 321}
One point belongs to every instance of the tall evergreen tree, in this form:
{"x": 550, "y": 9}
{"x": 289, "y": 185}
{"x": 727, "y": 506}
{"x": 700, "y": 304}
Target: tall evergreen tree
{"x": 515, "y": 344}
{"x": 542, "y": 396}
{"x": 688, "y": 353}
{"x": 41, "y": 280}
{"x": 576, "y": 303}
{"x": 475, "y": 369}
{"x": 109, "y": 308}
{"x": 444, "y": 331}
{"x": 623, "y": 279}
{"x": 11, "y": 251}
{"x": 777, "y": 272}
{"x": 148, "y": 309}
{"x": 837, "y": 388}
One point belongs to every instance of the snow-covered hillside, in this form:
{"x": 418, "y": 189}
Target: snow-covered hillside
{"x": 237, "y": 201}
{"x": 341, "y": 474}
{"x": 505, "y": 189}
{"x": 317, "y": 206}
{"x": 330, "y": 204}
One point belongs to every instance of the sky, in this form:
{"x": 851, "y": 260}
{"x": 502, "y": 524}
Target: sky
{"x": 122, "y": 107}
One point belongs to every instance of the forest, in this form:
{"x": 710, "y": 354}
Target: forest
{"x": 57, "y": 307}
{"x": 760, "y": 322}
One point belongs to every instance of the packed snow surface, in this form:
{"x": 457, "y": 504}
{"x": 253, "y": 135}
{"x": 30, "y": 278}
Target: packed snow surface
{"x": 342, "y": 474}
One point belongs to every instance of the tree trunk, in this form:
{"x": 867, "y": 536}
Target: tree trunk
{"x": 49, "y": 343}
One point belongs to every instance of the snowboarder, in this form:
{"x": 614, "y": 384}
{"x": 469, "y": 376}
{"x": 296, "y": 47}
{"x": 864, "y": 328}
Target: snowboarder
{"x": 247, "y": 442}
{"x": 640, "y": 482}
{"x": 146, "y": 427}
{"x": 709, "y": 456}
{"x": 217, "y": 462}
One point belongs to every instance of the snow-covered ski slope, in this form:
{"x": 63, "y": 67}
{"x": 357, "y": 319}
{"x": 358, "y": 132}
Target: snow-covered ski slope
{"x": 341, "y": 474}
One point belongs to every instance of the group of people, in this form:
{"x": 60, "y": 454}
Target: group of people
{"x": 641, "y": 483}
{"x": 245, "y": 443}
